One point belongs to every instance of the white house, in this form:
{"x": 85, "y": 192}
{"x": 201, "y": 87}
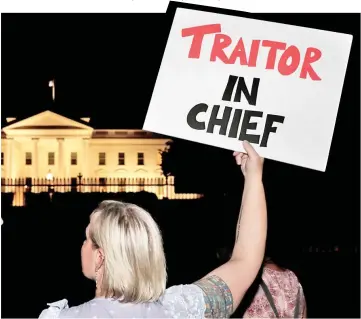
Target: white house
{"x": 50, "y": 146}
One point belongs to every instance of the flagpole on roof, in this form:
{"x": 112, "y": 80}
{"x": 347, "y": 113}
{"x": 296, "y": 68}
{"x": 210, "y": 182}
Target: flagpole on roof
{"x": 52, "y": 85}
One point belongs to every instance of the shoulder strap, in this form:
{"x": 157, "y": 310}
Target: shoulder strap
{"x": 297, "y": 308}
{"x": 269, "y": 297}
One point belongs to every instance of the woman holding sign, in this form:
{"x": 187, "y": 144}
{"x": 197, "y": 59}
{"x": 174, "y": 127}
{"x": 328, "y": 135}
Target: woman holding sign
{"x": 123, "y": 254}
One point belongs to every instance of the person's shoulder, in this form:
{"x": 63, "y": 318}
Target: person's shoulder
{"x": 293, "y": 278}
{"x": 54, "y": 309}
{"x": 217, "y": 295}
{"x": 293, "y": 281}
{"x": 184, "y": 301}
{"x": 209, "y": 297}
{"x": 60, "y": 309}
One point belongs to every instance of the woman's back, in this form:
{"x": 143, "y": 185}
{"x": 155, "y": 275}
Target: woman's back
{"x": 285, "y": 290}
{"x": 177, "y": 302}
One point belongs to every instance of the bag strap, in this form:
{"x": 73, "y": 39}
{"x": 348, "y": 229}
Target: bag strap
{"x": 269, "y": 297}
{"x": 297, "y": 308}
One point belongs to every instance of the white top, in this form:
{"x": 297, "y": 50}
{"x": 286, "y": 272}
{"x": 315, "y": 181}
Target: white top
{"x": 209, "y": 297}
{"x": 184, "y": 301}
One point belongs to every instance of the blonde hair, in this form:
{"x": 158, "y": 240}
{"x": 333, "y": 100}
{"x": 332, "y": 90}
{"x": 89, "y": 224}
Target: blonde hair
{"x": 134, "y": 260}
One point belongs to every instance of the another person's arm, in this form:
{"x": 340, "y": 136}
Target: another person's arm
{"x": 224, "y": 287}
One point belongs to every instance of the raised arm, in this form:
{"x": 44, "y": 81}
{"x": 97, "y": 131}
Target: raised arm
{"x": 224, "y": 287}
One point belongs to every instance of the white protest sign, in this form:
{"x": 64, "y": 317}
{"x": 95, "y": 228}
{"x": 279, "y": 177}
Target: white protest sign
{"x": 224, "y": 79}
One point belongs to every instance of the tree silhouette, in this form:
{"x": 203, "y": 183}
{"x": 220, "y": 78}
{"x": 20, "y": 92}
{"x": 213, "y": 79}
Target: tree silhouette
{"x": 168, "y": 164}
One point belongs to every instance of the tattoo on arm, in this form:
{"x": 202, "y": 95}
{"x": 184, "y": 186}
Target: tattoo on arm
{"x": 217, "y": 297}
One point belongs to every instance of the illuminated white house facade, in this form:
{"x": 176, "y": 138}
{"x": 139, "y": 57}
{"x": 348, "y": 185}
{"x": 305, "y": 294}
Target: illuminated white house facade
{"x": 49, "y": 144}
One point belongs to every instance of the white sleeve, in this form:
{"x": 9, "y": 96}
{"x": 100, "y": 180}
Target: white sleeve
{"x": 54, "y": 309}
{"x": 184, "y": 301}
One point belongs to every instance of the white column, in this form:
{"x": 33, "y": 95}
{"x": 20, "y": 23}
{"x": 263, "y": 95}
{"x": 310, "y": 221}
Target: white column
{"x": 9, "y": 159}
{"x": 35, "y": 158}
{"x": 85, "y": 159}
{"x": 60, "y": 158}
{"x": 66, "y": 159}
{"x": 84, "y": 167}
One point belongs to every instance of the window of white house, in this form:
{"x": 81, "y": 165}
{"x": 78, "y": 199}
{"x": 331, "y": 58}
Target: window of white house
{"x": 73, "y": 158}
{"x": 121, "y": 158}
{"x": 140, "y": 158}
{"x": 102, "y": 159}
{"x": 28, "y": 158}
{"x": 51, "y": 158}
